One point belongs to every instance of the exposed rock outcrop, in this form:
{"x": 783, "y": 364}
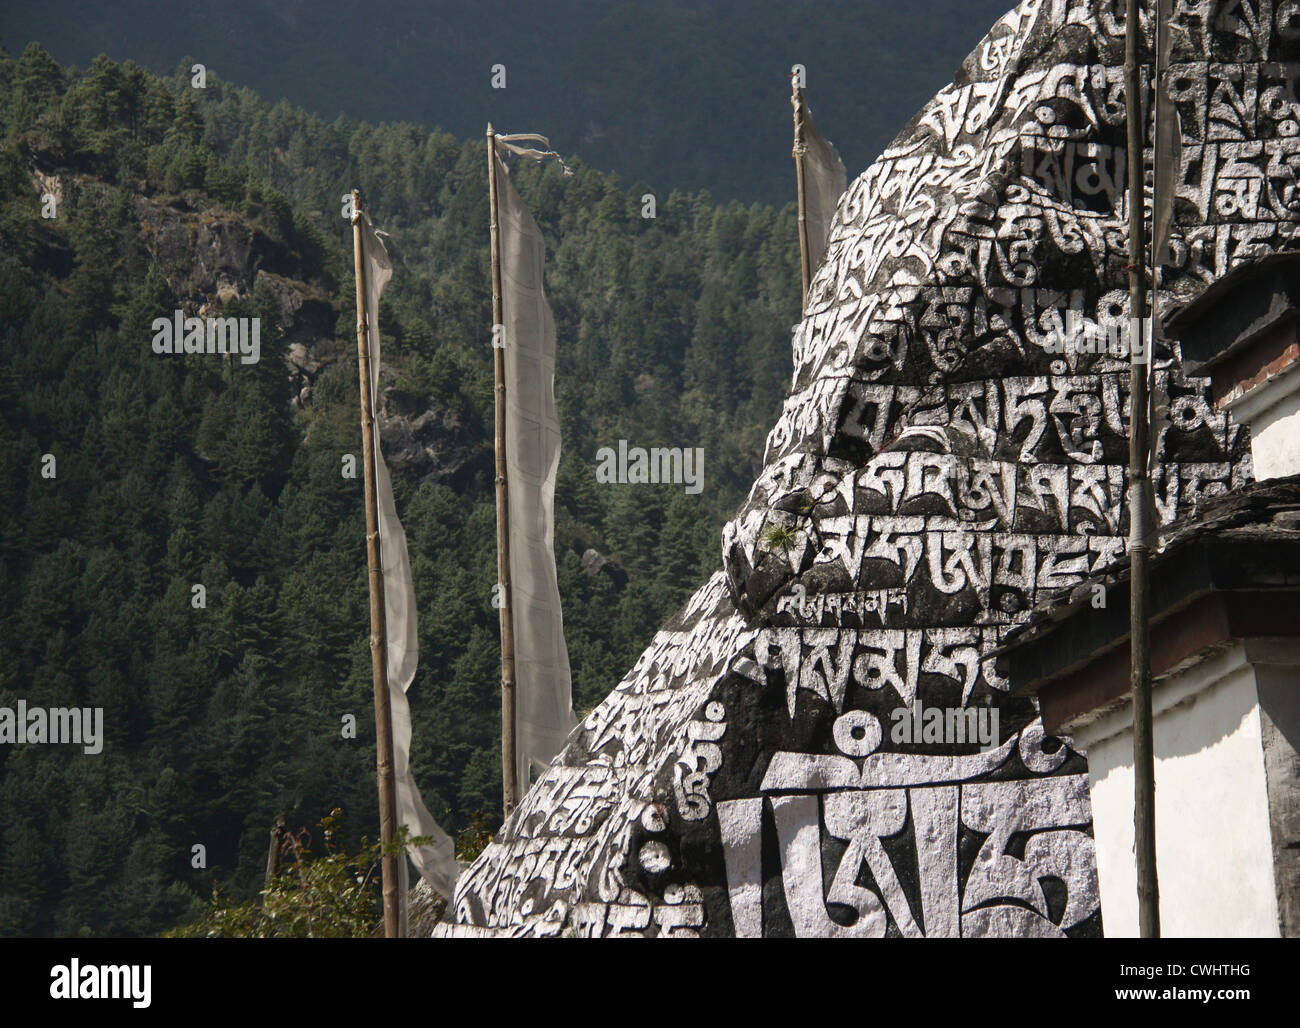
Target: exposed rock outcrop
{"x": 432, "y": 442}
{"x": 596, "y": 564}
{"x": 212, "y": 257}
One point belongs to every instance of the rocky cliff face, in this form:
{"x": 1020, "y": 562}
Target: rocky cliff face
{"x": 212, "y": 257}
{"x": 938, "y": 468}
{"x": 431, "y": 443}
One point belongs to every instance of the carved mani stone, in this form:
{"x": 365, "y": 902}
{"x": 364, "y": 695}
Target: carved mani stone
{"x": 940, "y": 466}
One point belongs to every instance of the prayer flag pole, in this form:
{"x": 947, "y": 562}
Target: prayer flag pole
{"x": 805, "y": 252}
{"x": 378, "y": 621}
{"x": 1140, "y": 514}
{"x": 509, "y": 786}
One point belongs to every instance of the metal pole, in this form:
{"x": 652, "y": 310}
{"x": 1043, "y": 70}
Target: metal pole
{"x": 805, "y": 253}
{"x": 509, "y": 785}
{"x": 1140, "y": 517}
{"x": 378, "y": 622}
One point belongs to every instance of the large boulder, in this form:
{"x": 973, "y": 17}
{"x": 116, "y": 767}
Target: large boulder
{"x": 936, "y": 471}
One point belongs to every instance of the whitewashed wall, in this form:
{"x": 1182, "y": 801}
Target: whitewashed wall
{"x": 1214, "y": 851}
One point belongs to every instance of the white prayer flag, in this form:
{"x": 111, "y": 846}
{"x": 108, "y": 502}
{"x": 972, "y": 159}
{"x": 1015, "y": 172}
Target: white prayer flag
{"x": 824, "y": 181}
{"x": 544, "y": 707}
{"x": 437, "y": 862}
{"x": 1168, "y": 143}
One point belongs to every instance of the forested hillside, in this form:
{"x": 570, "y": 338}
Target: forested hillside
{"x": 689, "y": 94}
{"x": 173, "y": 471}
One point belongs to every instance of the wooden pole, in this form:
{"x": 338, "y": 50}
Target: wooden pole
{"x": 805, "y": 253}
{"x": 509, "y": 786}
{"x": 1140, "y": 515}
{"x": 378, "y": 620}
